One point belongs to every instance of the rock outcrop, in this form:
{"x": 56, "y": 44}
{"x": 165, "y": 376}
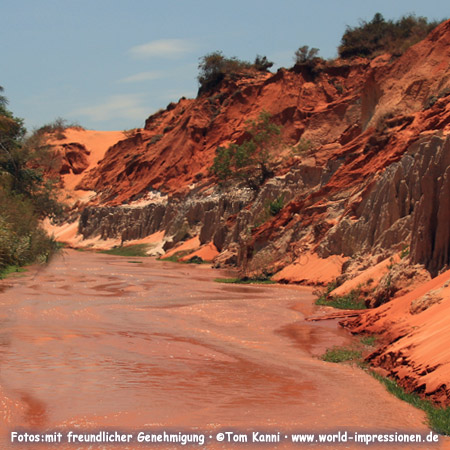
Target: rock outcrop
{"x": 74, "y": 158}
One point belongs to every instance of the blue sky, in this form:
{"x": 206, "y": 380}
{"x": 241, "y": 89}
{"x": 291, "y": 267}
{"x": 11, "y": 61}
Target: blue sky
{"x": 109, "y": 64}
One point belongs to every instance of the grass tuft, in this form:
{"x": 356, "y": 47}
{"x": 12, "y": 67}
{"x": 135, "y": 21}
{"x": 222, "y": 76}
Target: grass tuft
{"x": 8, "y": 270}
{"x": 178, "y": 255}
{"x": 341, "y": 354}
{"x": 245, "y": 280}
{"x": 349, "y": 301}
{"x": 131, "y": 250}
{"x": 438, "y": 418}
{"x": 370, "y": 341}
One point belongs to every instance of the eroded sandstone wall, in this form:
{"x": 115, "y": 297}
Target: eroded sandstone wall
{"x": 408, "y": 204}
{"x": 224, "y": 216}
{"x": 430, "y": 239}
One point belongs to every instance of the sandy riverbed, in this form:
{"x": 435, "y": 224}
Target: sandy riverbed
{"x": 96, "y": 341}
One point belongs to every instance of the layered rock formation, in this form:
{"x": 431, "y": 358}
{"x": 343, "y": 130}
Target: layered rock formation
{"x": 430, "y": 240}
{"x": 362, "y": 175}
{"x": 367, "y": 130}
{"x": 409, "y": 203}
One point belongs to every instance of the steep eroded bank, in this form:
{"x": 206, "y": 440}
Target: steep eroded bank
{"x": 360, "y": 182}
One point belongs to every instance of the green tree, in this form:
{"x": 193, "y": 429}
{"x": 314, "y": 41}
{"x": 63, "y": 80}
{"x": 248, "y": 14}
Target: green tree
{"x": 215, "y": 67}
{"x": 252, "y": 159}
{"x": 306, "y": 56}
{"x": 262, "y": 63}
{"x": 378, "y": 36}
{"x": 25, "y": 195}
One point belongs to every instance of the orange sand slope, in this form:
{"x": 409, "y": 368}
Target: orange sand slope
{"x": 96, "y": 144}
{"x": 309, "y": 268}
{"x": 417, "y": 329}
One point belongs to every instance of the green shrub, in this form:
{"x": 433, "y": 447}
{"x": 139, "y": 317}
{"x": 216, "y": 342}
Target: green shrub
{"x": 262, "y": 63}
{"x": 252, "y": 160}
{"x": 214, "y": 67}
{"x": 175, "y": 257}
{"x": 8, "y": 270}
{"x": 303, "y": 146}
{"x": 306, "y": 56}
{"x": 155, "y": 139}
{"x": 22, "y": 241}
{"x": 196, "y": 260}
{"x": 405, "y": 252}
{"x": 378, "y": 36}
{"x": 131, "y": 133}
{"x": 370, "y": 341}
{"x": 57, "y": 128}
{"x": 26, "y": 196}
{"x": 275, "y": 206}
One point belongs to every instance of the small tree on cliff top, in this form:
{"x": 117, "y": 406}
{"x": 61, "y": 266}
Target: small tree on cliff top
{"x": 378, "y": 36}
{"x": 215, "y": 67}
{"x": 252, "y": 160}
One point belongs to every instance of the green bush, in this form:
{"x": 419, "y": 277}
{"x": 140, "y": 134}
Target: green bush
{"x": 252, "y": 160}
{"x": 215, "y": 67}
{"x": 22, "y": 241}
{"x": 262, "y": 63}
{"x": 56, "y": 128}
{"x": 245, "y": 280}
{"x": 438, "y": 418}
{"x": 379, "y": 36}
{"x": 129, "y": 250}
{"x": 275, "y": 206}
{"x": 303, "y": 146}
{"x": 370, "y": 341}
{"x": 306, "y": 56}
{"x": 25, "y": 195}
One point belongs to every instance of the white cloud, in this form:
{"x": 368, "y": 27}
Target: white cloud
{"x": 162, "y": 48}
{"x": 128, "y": 106}
{"x": 142, "y": 76}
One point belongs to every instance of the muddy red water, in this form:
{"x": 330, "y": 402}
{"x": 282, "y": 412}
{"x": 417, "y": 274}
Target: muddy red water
{"x": 97, "y": 342}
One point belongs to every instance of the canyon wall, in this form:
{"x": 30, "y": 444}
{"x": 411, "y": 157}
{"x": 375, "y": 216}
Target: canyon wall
{"x": 359, "y": 192}
{"x": 363, "y": 165}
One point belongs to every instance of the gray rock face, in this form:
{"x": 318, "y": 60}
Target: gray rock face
{"x": 123, "y": 222}
{"x": 381, "y": 220}
{"x": 178, "y": 218}
{"x": 430, "y": 242}
{"x": 221, "y": 216}
{"x": 410, "y": 202}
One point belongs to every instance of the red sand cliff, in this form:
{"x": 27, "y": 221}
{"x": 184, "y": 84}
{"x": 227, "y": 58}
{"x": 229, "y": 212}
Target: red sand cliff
{"x": 375, "y": 180}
